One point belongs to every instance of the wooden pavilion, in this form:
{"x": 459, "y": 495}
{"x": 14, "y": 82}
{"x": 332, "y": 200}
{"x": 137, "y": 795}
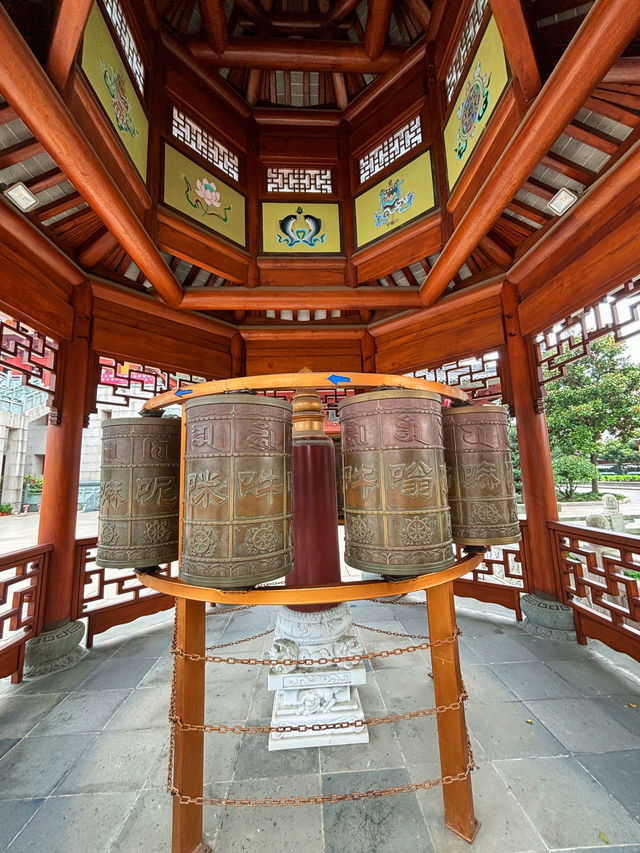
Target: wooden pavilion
{"x": 219, "y": 188}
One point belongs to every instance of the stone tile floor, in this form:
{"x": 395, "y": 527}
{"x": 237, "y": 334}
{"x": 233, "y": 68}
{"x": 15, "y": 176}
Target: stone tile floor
{"x": 555, "y": 729}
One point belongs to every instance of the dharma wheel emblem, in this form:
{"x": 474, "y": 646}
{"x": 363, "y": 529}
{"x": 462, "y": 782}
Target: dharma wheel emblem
{"x": 472, "y": 109}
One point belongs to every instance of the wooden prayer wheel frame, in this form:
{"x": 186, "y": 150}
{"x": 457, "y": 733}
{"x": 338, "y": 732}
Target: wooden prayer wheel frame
{"x": 191, "y": 601}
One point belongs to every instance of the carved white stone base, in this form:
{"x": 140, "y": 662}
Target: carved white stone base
{"x": 314, "y": 697}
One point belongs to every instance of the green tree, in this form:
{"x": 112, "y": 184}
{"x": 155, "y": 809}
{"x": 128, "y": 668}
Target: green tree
{"x": 621, "y": 452}
{"x": 569, "y": 471}
{"x": 598, "y": 394}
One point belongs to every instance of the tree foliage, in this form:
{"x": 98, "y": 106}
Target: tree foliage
{"x": 569, "y": 471}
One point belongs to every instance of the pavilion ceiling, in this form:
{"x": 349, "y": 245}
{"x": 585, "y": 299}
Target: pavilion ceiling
{"x": 242, "y": 43}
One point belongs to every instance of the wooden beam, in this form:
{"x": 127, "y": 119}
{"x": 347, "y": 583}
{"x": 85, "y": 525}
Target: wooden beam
{"x": 582, "y": 65}
{"x": 59, "y": 205}
{"x": 34, "y": 98}
{"x": 420, "y": 11}
{"x": 568, "y": 168}
{"x": 7, "y": 113}
{"x": 340, "y": 9}
{"x": 340, "y": 88}
{"x": 263, "y": 298}
{"x": 613, "y": 111}
{"x": 45, "y": 181}
{"x": 20, "y": 152}
{"x": 296, "y": 55}
{"x": 215, "y": 23}
{"x": 517, "y": 45}
{"x": 69, "y": 26}
{"x": 375, "y": 37}
{"x": 98, "y": 249}
{"x": 592, "y": 136}
{"x": 254, "y": 86}
{"x": 625, "y": 70}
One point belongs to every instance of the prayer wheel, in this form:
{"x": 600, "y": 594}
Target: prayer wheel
{"x": 139, "y": 492}
{"x": 237, "y": 522}
{"x": 395, "y": 489}
{"x": 481, "y": 487}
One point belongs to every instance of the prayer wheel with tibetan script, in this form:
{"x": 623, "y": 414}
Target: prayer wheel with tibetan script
{"x": 481, "y": 487}
{"x": 395, "y": 490}
{"x": 139, "y": 492}
{"x": 237, "y": 522}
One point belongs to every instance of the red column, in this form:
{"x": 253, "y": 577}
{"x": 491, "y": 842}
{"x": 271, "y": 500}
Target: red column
{"x": 535, "y": 456}
{"x": 58, "y": 510}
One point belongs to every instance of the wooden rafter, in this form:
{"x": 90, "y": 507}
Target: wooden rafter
{"x": 263, "y": 298}
{"x": 69, "y": 26}
{"x": 375, "y": 37}
{"x": 215, "y": 23}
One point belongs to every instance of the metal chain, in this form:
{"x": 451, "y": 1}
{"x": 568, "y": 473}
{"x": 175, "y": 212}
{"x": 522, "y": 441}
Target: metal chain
{"x": 392, "y": 633}
{"x": 398, "y": 601}
{"x": 239, "y": 642}
{"x": 236, "y": 609}
{"x": 383, "y": 653}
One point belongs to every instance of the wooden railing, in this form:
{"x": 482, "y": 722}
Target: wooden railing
{"x": 109, "y": 597}
{"x": 22, "y": 582}
{"x": 501, "y": 576}
{"x": 599, "y": 572}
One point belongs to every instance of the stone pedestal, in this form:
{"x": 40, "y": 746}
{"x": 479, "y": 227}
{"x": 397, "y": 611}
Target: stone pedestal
{"x": 545, "y": 616}
{"x": 54, "y": 650}
{"x": 321, "y": 692}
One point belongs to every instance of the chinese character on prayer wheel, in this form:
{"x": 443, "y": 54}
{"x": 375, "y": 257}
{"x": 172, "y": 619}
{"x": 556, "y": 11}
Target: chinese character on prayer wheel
{"x": 237, "y": 519}
{"x": 481, "y": 487}
{"x": 139, "y": 492}
{"x": 395, "y": 489}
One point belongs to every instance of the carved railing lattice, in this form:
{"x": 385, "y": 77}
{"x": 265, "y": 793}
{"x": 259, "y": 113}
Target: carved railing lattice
{"x": 478, "y": 376}
{"x": 121, "y": 382}
{"x": 22, "y": 579}
{"x": 502, "y": 564}
{"x": 26, "y": 351}
{"x": 568, "y": 340}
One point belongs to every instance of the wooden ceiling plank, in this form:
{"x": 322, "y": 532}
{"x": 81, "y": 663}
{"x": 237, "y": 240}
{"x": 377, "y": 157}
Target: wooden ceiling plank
{"x": 625, "y": 70}
{"x": 539, "y": 188}
{"x": 7, "y": 113}
{"x": 631, "y": 102}
{"x": 33, "y": 96}
{"x": 495, "y": 251}
{"x": 296, "y": 55}
{"x": 59, "y": 205}
{"x": 528, "y": 211}
{"x": 20, "y": 152}
{"x": 581, "y": 67}
{"x": 45, "y": 181}
{"x": 375, "y": 37}
{"x": 70, "y": 23}
{"x": 215, "y": 23}
{"x": 592, "y": 136}
{"x": 612, "y": 111}
{"x": 568, "y": 168}
{"x": 99, "y": 247}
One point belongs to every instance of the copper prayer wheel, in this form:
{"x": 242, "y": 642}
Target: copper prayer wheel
{"x": 395, "y": 489}
{"x": 139, "y": 492}
{"x": 237, "y": 519}
{"x": 481, "y": 487}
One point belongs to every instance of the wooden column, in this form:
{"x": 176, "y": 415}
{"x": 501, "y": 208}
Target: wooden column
{"x": 535, "y": 456}
{"x": 452, "y": 728}
{"x": 59, "y": 506}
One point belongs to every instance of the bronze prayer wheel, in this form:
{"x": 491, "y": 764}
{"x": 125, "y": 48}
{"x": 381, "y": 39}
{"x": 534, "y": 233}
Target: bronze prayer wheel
{"x": 139, "y": 492}
{"x": 395, "y": 489}
{"x": 237, "y": 522}
{"x": 481, "y": 487}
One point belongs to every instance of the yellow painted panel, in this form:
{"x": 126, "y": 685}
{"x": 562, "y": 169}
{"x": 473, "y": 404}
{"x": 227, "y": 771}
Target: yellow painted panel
{"x": 480, "y": 93}
{"x": 110, "y": 80}
{"x": 395, "y": 200}
{"x": 292, "y": 227}
{"x": 189, "y": 188}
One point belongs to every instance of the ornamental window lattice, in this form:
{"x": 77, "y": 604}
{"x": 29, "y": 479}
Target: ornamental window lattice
{"x": 465, "y": 43}
{"x": 25, "y": 351}
{"x": 568, "y": 341}
{"x": 121, "y": 382}
{"x": 125, "y": 36}
{"x": 298, "y": 180}
{"x": 192, "y": 135}
{"x": 478, "y": 376}
{"x": 402, "y": 141}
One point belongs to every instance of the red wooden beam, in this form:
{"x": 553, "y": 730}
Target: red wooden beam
{"x": 263, "y": 298}
{"x": 70, "y": 24}
{"x": 31, "y": 93}
{"x": 625, "y": 70}
{"x": 215, "y": 23}
{"x": 375, "y": 37}
{"x": 517, "y": 45}
{"x": 582, "y": 65}
{"x": 296, "y": 55}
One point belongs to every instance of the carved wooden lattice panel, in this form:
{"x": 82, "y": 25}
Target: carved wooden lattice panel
{"x": 120, "y": 382}
{"x": 477, "y": 376}
{"x": 465, "y": 43}
{"x": 567, "y": 341}
{"x": 599, "y": 573}
{"x": 125, "y": 36}
{"x": 330, "y": 399}
{"x": 403, "y": 140}
{"x": 187, "y": 131}
{"x": 281, "y": 179}
{"x": 33, "y": 355}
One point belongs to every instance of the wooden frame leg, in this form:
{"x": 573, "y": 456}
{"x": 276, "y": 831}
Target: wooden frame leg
{"x": 189, "y": 746}
{"x": 452, "y": 730}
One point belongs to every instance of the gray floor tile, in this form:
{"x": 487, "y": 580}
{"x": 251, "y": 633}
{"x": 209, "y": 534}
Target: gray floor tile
{"x": 82, "y": 712}
{"x": 477, "y": 627}
{"x": 119, "y": 673}
{"x": 116, "y": 761}
{"x": 148, "y": 826}
{"x": 593, "y": 677}
{"x": 534, "y": 680}
{"x": 499, "y": 649}
{"x": 6, "y": 744}
{"x": 625, "y": 709}
{"x": 75, "y": 824}
{"x": 221, "y": 755}
{"x": 619, "y": 774}
{"x": 504, "y": 828}
{"x": 151, "y": 645}
{"x": 20, "y": 714}
{"x": 226, "y": 700}
{"x": 157, "y": 777}
{"x": 13, "y": 816}
{"x": 385, "y": 824}
{"x": 402, "y": 693}
{"x": 61, "y": 682}
{"x": 269, "y": 828}
{"x": 35, "y": 766}
{"x": 160, "y": 673}
{"x": 484, "y": 686}
{"x": 418, "y": 740}
{"x": 567, "y": 806}
{"x": 582, "y": 726}
{"x": 503, "y": 731}
{"x": 371, "y": 698}
{"x": 144, "y": 707}
{"x": 382, "y": 751}
{"x": 553, "y": 649}
{"x": 256, "y": 762}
